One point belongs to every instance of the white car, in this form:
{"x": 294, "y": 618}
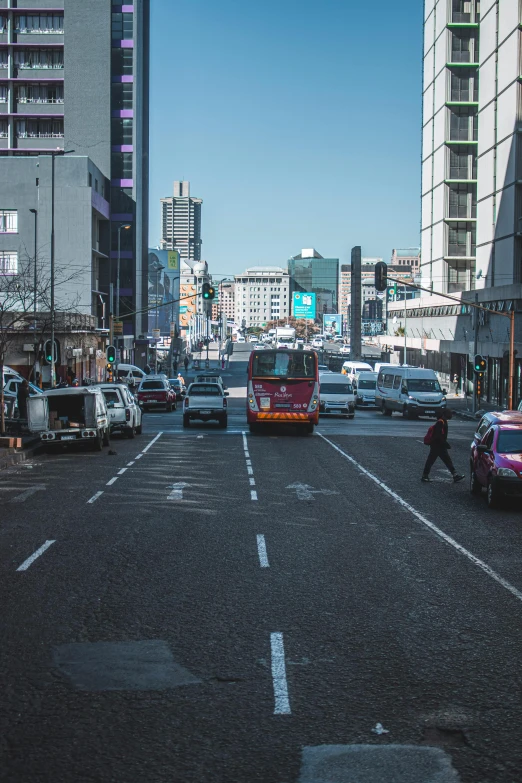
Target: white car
{"x": 344, "y": 349}
{"x": 124, "y": 411}
{"x": 317, "y": 342}
{"x": 252, "y": 338}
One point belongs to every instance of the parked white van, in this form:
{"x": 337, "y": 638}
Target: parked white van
{"x": 411, "y": 391}
{"x": 336, "y": 396}
{"x": 352, "y": 368}
{"x": 364, "y": 386}
{"x": 130, "y": 374}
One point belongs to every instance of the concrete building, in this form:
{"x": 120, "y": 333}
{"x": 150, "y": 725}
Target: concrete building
{"x": 310, "y": 272}
{"x": 407, "y": 257}
{"x": 193, "y": 309}
{"x": 181, "y": 222}
{"x": 471, "y": 192}
{"x": 76, "y": 81}
{"x": 262, "y": 294}
{"x": 226, "y": 300}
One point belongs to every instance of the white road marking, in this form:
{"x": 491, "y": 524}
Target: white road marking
{"x": 177, "y": 491}
{"x": 130, "y": 463}
{"x": 249, "y": 470}
{"x": 253, "y": 494}
{"x": 139, "y": 456}
{"x": 112, "y": 481}
{"x": 247, "y": 455}
{"x": 249, "y": 462}
{"x": 451, "y": 541}
{"x": 22, "y": 497}
{"x": 306, "y": 492}
{"x": 153, "y": 441}
{"x": 245, "y": 443}
{"x": 25, "y": 565}
{"x": 95, "y": 497}
{"x": 122, "y": 471}
{"x": 252, "y": 482}
{"x": 261, "y": 551}
{"x": 282, "y": 704}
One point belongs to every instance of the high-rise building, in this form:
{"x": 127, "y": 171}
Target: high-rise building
{"x": 310, "y": 272}
{"x": 261, "y": 295}
{"x": 77, "y": 83}
{"x": 471, "y": 193}
{"x": 181, "y": 222}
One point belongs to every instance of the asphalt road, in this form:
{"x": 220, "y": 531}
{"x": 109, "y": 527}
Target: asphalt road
{"x": 216, "y": 606}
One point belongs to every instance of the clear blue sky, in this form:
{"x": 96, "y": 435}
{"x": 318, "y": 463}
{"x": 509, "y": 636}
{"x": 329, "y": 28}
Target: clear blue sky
{"x": 298, "y": 123}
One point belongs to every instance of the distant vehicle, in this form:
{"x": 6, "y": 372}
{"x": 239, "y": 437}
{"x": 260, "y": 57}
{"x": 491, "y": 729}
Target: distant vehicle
{"x": 496, "y": 457}
{"x": 317, "y": 342}
{"x": 178, "y": 387}
{"x": 130, "y": 374}
{"x": 240, "y": 339}
{"x": 344, "y": 350}
{"x": 259, "y": 347}
{"x": 351, "y": 369}
{"x": 338, "y": 339}
{"x": 210, "y": 376}
{"x": 323, "y": 368}
{"x": 364, "y": 386}
{"x": 252, "y": 338}
{"x": 13, "y": 384}
{"x": 412, "y": 391}
{"x": 285, "y": 336}
{"x": 283, "y": 386}
{"x": 75, "y": 414}
{"x": 336, "y": 395}
{"x": 124, "y": 412}
{"x": 156, "y": 392}
{"x": 205, "y": 401}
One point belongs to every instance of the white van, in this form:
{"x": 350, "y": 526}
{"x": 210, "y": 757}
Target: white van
{"x": 364, "y": 386}
{"x": 411, "y": 391}
{"x": 351, "y": 369}
{"x": 130, "y": 374}
{"x": 336, "y": 396}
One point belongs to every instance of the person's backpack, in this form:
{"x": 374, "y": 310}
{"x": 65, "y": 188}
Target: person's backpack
{"x": 429, "y": 436}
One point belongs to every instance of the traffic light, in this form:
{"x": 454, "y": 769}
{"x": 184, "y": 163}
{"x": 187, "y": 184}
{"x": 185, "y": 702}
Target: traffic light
{"x": 381, "y": 275}
{"x": 110, "y": 354}
{"x": 48, "y": 352}
{"x": 480, "y": 364}
{"x": 479, "y": 376}
{"x": 208, "y": 291}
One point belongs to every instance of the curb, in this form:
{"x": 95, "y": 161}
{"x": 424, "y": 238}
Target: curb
{"x": 16, "y": 456}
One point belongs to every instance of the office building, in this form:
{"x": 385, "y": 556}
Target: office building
{"x": 407, "y": 257}
{"x": 310, "y": 272}
{"x": 262, "y": 294}
{"x": 471, "y": 192}
{"x": 76, "y": 82}
{"x": 225, "y": 300}
{"x": 181, "y": 223}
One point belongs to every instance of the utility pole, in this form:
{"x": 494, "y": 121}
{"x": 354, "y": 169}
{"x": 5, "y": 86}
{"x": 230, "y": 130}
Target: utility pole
{"x": 475, "y": 351}
{"x": 35, "y": 283}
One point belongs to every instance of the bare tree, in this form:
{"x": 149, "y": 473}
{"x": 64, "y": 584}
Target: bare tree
{"x": 17, "y": 307}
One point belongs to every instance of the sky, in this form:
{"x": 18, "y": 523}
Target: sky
{"x": 297, "y": 122}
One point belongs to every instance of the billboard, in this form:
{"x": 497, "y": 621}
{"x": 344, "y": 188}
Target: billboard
{"x": 303, "y": 305}
{"x": 332, "y": 323}
{"x": 163, "y": 289}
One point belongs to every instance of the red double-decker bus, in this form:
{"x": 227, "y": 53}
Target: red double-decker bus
{"x": 283, "y": 387}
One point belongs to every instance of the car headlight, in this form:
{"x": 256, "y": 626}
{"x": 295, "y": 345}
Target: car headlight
{"x": 506, "y": 472}
{"x": 411, "y": 398}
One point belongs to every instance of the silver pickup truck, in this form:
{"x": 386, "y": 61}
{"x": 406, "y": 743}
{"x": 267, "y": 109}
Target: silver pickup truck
{"x": 205, "y": 401}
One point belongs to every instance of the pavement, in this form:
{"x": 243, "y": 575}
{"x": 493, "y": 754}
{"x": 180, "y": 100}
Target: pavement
{"x": 210, "y": 605}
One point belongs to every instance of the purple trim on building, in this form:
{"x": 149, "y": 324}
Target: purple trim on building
{"x": 123, "y": 113}
{"x": 122, "y": 217}
{"x": 122, "y": 9}
{"x": 123, "y": 254}
{"x": 125, "y": 292}
{"x": 123, "y": 79}
{"x": 100, "y": 204}
{"x": 122, "y": 148}
{"x": 122, "y": 183}
{"x": 127, "y": 43}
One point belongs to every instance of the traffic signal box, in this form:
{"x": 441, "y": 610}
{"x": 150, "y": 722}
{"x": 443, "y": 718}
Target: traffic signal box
{"x": 381, "y": 275}
{"x": 208, "y": 291}
{"x": 110, "y": 353}
{"x": 479, "y": 368}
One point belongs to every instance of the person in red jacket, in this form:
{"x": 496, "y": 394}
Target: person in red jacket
{"x": 439, "y": 447}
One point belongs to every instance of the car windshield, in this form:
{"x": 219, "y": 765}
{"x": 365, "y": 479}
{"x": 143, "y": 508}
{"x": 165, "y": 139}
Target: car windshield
{"x": 283, "y": 364}
{"x": 205, "y": 390}
{"x": 174, "y": 382}
{"x": 366, "y": 384}
{"x": 111, "y": 396}
{"x": 422, "y": 385}
{"x": 152, "y": 386}
{"x": 509, "y": 441}
{"x": 336, "y": 388}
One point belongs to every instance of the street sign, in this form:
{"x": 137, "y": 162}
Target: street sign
{"x": 117, "y": 327}
{"x": 304, "y": 305}
{"x": 183, "y": 308}
{"x": 173, "y": 259}
{"x": 173, "y": 328}
{"x": 156, "y": 334}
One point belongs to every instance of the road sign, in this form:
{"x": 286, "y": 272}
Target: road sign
{"x": 156, "y": 334}
{"x": 173, "y": 259}
{"x": 117, "y": 327}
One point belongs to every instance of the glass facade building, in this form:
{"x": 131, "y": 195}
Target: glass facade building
{"x": 310, "y": 272}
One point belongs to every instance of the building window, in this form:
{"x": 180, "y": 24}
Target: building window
{"x": 8, "y": 262}
{"x": 3, "y": 129}
{"x": 121, "y": 165}
{"x": 122, "y": 131}
{"x": 464, "y": 85}
{"x": 461, "y": 12}
{"x": 463, "y": 165}
{"x": 3, "y": 58}
{"x": 464, "y": 49}
{"x": 39, "y": 23}
{"x": 121, "y": 94}
{"x": 38, "y": 58}
{"x": 40, "y": 93}
{"x": 39, "y": 129}
{"x": 3, "y": 93}
{"x": 122, "y": 62}
{"x": 122, "y": 25}
{"x": 462, "y": 202}
{"x": 461, "y": 240}
{"x": 463, "y": 126}
{"x": 8, "y": 221}
{"x": 3, "y": 24}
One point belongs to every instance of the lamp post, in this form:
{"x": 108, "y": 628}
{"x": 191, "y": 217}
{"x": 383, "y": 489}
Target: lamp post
{"x": 159, "y": 270}
{"x": 35, "y": 283}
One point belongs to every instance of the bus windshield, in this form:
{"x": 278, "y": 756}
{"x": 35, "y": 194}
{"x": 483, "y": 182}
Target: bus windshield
{"x": 283, "y": 364}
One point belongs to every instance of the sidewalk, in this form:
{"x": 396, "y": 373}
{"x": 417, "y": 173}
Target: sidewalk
{"x": 462, "y": 406}
{"x": 12, "y": 456}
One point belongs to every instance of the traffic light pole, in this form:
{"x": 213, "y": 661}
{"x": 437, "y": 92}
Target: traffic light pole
{"x": 475, "y": 351}
{"x": 476, "y": 306}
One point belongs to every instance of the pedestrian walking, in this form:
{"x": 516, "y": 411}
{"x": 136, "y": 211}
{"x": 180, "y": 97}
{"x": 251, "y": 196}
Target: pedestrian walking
{"x": 186, "y": 363}
{"x": 456, "y": 381}
{"x": 21, "y": 397}
{"x": 437, "y": 439}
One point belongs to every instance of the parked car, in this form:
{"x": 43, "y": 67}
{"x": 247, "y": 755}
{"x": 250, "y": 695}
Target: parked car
{"x": 496, "y": 457}
{"x": 155, "y": 391}
{"x": 10, "y": 395}
{"x": 205, "y": 401}
{"x": 130, "y": 373}
{"x": 74, "y": 414}
{"x": 124, "y": 411}
{"x": 179, "y": 388}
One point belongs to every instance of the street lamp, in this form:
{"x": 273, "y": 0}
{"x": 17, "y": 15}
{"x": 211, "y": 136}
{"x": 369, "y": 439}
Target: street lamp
{"x": 159, "y": 270}
{"x": 35, "y": 282}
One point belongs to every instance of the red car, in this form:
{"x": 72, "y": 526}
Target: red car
{"x": 156, "y": 392}
{"x": 496, "y": 457}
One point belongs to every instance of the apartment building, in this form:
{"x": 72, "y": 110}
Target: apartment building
{"x": 471, "y": 236}
{"x": 74, "y": 87}
{"x": 181, "y": 222}
{"x": 262, "y": 294}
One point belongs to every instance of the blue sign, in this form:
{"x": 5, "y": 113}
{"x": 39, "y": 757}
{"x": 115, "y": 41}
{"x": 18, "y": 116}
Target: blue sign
{"x": 183, "y": 308}
{"x": 304, "y": 305}
{"x": 332, "y": 323}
